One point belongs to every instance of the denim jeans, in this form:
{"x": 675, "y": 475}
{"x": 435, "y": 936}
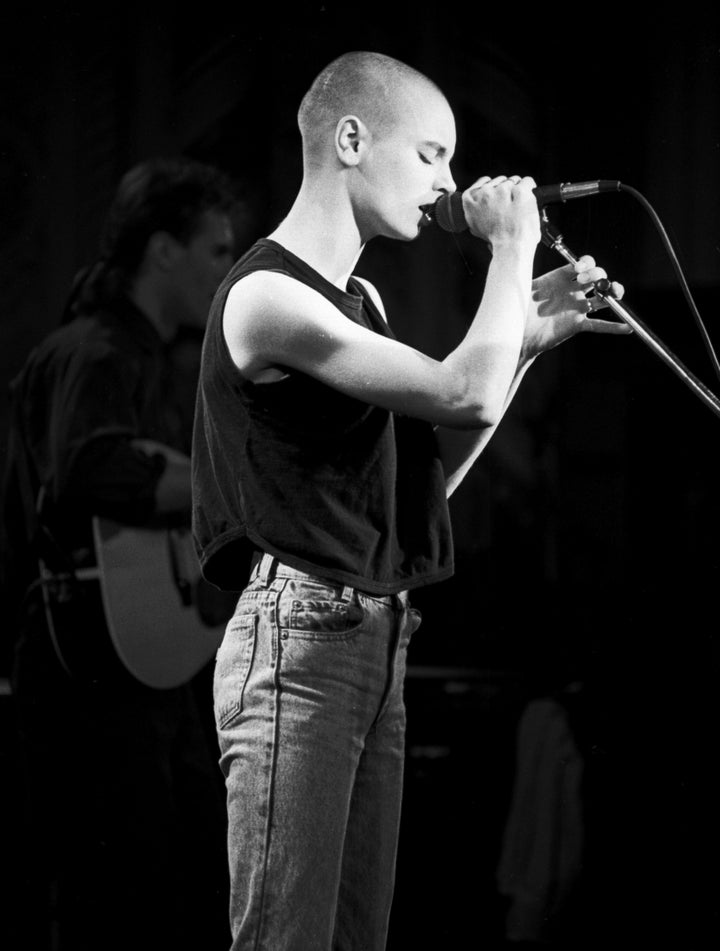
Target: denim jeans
{"x": 311, "y": 724}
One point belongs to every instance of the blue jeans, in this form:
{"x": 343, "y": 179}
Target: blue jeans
{"x": 311, "y": 724}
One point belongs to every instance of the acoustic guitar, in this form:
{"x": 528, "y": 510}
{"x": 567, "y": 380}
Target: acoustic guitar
{"x": 138, "y": 598}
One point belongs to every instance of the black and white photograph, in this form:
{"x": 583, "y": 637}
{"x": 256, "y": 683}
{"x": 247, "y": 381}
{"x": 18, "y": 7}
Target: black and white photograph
{"x": 360, "y": 477}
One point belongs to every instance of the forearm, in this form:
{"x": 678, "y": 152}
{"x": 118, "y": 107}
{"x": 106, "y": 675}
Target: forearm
{"x": 132, "y": 480}
{"x": 459, "y": 450}
{"x": 110, "y": 476}
{"x": 488, "y": 357}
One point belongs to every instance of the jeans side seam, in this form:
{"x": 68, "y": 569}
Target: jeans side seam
{"x": 273, "y": 754}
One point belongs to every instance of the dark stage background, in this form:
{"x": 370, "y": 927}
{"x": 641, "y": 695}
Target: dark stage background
{"x": 571, "y": 664}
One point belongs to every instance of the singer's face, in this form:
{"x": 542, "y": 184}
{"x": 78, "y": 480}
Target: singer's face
{"x": 408, "y": 165}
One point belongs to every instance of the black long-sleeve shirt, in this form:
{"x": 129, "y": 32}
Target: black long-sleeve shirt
{"x": 89, "y": 389}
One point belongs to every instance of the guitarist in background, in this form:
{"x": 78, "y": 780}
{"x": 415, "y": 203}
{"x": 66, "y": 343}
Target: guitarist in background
{"x": 126, "y": 814}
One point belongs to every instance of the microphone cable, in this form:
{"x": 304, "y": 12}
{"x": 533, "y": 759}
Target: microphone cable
{"x": 654, "y": 217}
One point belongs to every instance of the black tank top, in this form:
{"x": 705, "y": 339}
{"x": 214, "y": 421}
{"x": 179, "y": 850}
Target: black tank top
{"x": 325, "y": 482}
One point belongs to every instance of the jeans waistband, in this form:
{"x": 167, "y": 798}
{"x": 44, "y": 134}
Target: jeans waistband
{"x": 266, "y": 567}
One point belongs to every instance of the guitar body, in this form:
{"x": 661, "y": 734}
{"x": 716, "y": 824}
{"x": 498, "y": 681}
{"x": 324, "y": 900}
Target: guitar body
{"x": 140, "y": 600}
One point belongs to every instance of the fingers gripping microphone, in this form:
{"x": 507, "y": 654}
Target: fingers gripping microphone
{"x": 448, "y": 214}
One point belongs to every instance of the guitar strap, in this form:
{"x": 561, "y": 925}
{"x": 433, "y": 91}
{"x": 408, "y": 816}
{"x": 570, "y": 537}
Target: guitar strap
{"x": 17, "y": 452}
{"x": 32, "y": 500}
{"x": 29, "y": 496}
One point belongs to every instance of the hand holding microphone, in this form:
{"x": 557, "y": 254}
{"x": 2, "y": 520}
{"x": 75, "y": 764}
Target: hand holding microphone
{"x": 500, "y": 210}
{"x": 448, "y": 212}
{"x": 562, "y": 300}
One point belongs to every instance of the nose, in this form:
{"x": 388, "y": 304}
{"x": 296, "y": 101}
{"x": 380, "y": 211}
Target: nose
{"x": 444, "y": 181}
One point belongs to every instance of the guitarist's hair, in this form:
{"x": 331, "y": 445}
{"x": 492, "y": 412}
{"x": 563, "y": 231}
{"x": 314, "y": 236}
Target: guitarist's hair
{"x": 160, "y": 194}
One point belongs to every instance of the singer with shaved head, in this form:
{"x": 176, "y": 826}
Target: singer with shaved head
{"x": 324, "y": 453}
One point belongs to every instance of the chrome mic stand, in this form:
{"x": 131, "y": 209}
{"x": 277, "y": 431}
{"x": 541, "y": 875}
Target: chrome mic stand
{"x": 553, "y": 239}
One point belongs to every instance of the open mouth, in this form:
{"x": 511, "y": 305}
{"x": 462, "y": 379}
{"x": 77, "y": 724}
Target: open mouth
{"x": 427, "y": 215}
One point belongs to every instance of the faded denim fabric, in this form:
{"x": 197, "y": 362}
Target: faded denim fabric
{"x": 311, "y": 724}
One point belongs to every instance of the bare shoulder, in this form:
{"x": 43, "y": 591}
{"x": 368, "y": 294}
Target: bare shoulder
{"x": 261, "y": 291}
{"x": 271, "y": 319}
{"x": 264, "y": 302}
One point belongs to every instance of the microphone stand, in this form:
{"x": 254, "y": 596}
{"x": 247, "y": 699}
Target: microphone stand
{"x": 553, "y": 239}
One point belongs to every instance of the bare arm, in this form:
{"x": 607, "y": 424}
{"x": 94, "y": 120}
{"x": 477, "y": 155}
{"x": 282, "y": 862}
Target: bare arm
{"x": 460, "y": 450}
{"x": 274, "y": 322}
{"x": 557, "y": 310}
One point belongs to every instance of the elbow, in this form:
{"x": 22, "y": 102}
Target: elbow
{"x": 475, "y": 410}
{"x": 482, "y": 416}
{"x": 488, "y": 415}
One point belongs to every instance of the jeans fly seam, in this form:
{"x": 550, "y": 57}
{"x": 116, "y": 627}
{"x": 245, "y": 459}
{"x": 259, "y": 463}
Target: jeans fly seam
{"x": 392, "y": 660}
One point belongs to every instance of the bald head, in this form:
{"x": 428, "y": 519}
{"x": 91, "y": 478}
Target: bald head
{"x": 371, "y": 86}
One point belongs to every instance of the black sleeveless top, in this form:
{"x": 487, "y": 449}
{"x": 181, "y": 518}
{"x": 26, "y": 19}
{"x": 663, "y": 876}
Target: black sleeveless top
{"x": 327, "y": 483}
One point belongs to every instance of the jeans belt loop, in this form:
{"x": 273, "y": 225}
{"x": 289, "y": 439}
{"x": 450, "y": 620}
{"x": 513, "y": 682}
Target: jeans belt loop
{"x": 266, "y": 571}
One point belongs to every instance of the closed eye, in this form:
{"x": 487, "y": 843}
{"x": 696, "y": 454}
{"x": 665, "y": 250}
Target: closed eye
{"x": 425, "y": 159}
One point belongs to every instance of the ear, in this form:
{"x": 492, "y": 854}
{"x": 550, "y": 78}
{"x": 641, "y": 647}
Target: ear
{"x": 351, "y": 140}
{"x": 162, "y": 250}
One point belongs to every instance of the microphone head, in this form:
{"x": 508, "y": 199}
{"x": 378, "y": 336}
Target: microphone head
{"x": 449, "y": 214}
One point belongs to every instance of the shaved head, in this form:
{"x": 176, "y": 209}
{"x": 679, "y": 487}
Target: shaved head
{"x": 371, "y": 86}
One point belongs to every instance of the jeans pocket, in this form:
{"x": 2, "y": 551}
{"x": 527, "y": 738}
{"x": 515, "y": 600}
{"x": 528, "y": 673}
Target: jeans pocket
{"x": 232, "y": 667}
{"x": 313, "y": 611}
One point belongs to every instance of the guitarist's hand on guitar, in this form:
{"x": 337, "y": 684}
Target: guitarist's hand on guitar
{"x": 152, "y": 447}
{"x": 173, "y": 492}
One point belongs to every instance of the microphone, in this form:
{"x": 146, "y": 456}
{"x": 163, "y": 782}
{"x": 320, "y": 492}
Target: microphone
{"x": 448, "y": 214}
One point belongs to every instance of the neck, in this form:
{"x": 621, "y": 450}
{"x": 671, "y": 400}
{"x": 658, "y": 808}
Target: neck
{"x": 146, "y": 298}
{"x": 321, "y": 229}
